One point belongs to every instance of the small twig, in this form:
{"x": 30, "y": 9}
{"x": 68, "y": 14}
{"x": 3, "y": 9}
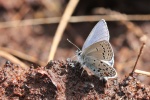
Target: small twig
{"x": 138, "y": 57}
{"x": 142, "y": 72}
{"x": 13, "y": 59}
{"x": 73, "y": 19}
{"x": 61, "y": 27}
{"x": 143, "y": 39}
{"x": 23, "y": 56}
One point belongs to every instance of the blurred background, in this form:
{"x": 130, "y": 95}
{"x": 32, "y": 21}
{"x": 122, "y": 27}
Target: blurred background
{"x": 29, "y": 27}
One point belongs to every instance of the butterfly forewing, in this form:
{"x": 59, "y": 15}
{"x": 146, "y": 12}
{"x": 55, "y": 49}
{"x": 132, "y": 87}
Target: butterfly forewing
{"x": 101, "y": 50}
{"x": 99, "y": 33}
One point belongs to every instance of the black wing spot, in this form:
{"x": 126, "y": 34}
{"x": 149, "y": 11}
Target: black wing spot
{"x": 104, "y": 57}
{"x": 100, "y": 75}
{"x": 103, "y": 48}
{"x": 93, "y": 64}
{"x": 103, "y": 54}
{"x": 96, "y": 49}
{"x": 106, "y": 68}
{"x": 100, "y": 69}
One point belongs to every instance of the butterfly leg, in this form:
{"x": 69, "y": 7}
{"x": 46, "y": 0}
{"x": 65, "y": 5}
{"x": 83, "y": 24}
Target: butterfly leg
{"x": 105, "y": 78}
{"x": 82, "y": 70}
{"x": 104, "y": 81}
{"x": 70, "y": 62}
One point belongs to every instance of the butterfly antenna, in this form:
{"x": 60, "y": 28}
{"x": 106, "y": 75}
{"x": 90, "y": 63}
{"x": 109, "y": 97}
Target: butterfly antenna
{"x": 73, "y": 44}
{"x": 73, "y": 57}
{"x": 69, "y": 59}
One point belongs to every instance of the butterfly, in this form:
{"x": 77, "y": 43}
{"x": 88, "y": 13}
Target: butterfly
{"x": 97, "y": 54}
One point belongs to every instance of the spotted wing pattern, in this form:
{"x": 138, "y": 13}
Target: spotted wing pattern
{"x": 100, "y": 69}
{"x": 101, "y": 50}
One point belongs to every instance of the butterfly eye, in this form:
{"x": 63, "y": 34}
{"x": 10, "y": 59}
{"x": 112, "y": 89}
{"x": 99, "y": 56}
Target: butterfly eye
{"x": 79, "y": 53}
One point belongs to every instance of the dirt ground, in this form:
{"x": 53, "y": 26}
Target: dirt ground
{"x": 58, "y": 80}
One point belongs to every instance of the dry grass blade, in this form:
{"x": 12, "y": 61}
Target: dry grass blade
{"x": 73, "y": 19}
{"x": 23, "y": 56}
{"x": 12, "y": 58}
{"x": 143, "y": 39}
{"x": 29, "y": 22}
{"x": 61, "y": 27}
{"x": 142, "y": 72}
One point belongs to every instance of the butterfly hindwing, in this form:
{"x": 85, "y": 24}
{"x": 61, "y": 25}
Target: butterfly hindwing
{"x": 103, "y": 70}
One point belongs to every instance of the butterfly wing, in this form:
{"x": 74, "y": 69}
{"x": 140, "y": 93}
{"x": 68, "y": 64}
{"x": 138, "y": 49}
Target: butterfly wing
{"x": 99, "y": 33}
{"x": 102, "y": 51}
{"x": 100, "y": 68}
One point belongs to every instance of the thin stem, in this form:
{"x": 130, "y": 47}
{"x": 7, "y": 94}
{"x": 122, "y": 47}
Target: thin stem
{"x": 141, "y": 49}
{"x": 61, "y": 27}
